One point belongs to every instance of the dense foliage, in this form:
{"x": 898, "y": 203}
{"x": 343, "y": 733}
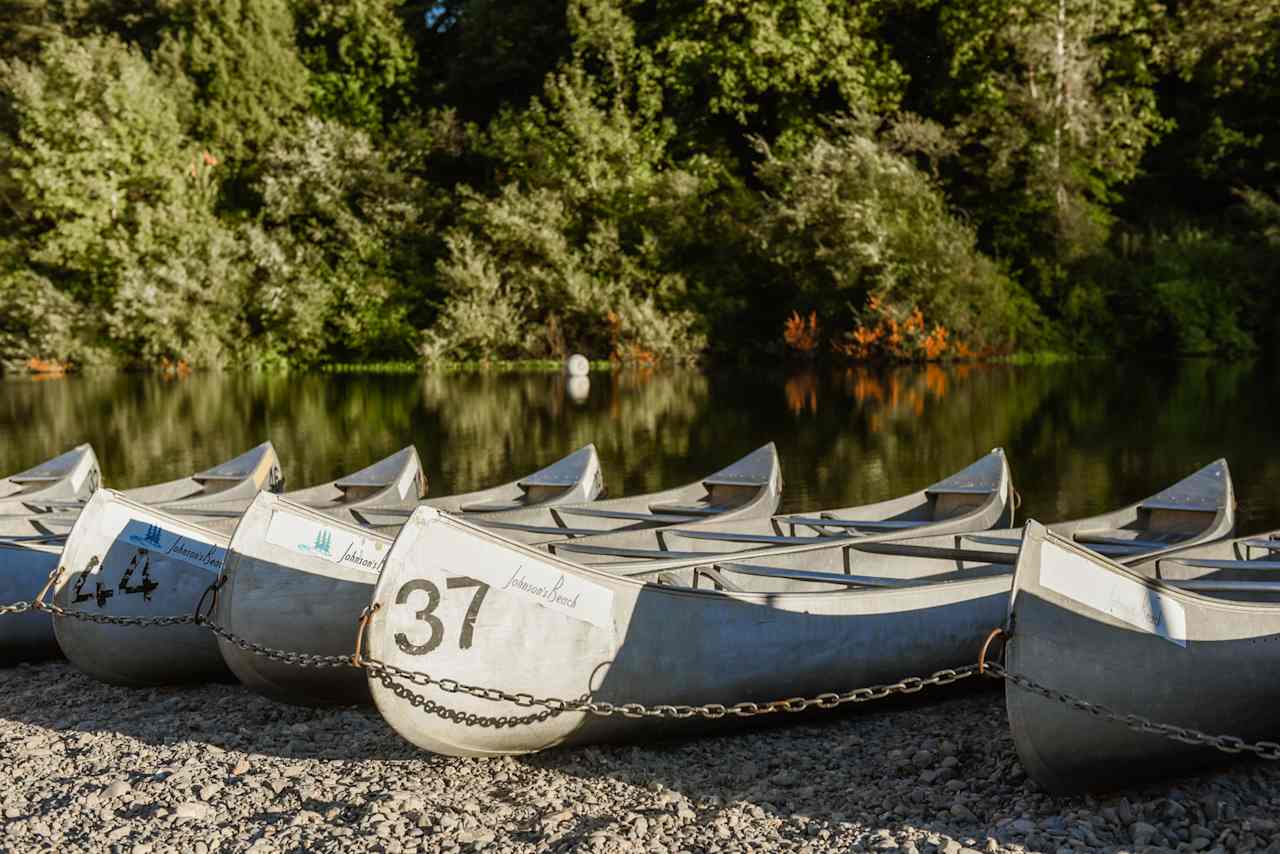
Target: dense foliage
{"x": 276, "y": 182}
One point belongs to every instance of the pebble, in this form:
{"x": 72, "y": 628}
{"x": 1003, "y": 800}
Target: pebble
{"x": 94, "y": 767}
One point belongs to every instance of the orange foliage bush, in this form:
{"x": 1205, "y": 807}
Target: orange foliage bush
{"x": 899, "y": 334}
{"x": 46, "y": 366}
{"x": 800, "y": 334}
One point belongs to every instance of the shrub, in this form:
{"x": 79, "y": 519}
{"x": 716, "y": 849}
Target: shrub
{"x": 847, "y": 221}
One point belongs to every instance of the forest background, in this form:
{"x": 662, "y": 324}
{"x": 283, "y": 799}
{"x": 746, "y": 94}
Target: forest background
{"x": 271, "y": 183}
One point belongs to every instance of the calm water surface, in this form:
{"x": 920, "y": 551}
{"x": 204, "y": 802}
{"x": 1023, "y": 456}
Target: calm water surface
{"x": 1081, "y": 438}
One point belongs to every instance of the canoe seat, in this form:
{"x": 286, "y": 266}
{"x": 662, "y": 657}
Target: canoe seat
{"x": 975, "y": 489}
{"x": 987, "y": 540}
{"x": 491, "y": 506}
{"x": 805, "y": 575}
{"x": 1209, "y": 563}
{"x": 1203, "y": 586}
{"x": 634, "y": 515}
{"x": 689, "y": 509}
{"x": 716, "y": 578}
{"x": 197, "y": 511}
{"x": 862, "y": 524}
{"x": 906, "y": 548}
{"x": 728, "y": 537}
{"x": 1262, "y": 543}
{"x": 537, "y": 529}
{"x": 1148, "y": 541}
{"x": 617, "y": 551}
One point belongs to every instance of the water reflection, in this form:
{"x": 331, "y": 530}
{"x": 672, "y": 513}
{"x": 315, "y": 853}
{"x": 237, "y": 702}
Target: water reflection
{"x": 1081, "y": 438}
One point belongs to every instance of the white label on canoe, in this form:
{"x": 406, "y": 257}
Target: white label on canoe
{"x": 334, "y": 544}
{"x": 406, "y": 481}
{"x": 461, "y": 552}
{"x": 153, "y": 538}
{"x": 1118, "y": 596}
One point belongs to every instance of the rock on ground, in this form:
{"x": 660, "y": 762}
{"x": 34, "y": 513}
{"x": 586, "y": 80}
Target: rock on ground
{"x": 89, "y": 767}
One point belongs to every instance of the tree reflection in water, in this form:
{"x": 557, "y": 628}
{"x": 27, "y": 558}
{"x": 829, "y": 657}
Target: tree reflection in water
{"x": 1082, "y": 437}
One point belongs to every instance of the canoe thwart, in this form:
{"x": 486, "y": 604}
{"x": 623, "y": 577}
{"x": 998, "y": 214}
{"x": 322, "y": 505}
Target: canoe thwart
{"x": 632, "y": 515}
{"x": 618, "y": 551}
{"x": 864, "y": 524}
{"x": 1209, "y": 563}
{"x": 805, "y": 575}
{"x": 730, "y": 537}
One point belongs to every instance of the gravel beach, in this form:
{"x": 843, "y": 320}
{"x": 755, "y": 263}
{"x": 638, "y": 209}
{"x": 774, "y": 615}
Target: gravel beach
{"x": 89, "y": 767}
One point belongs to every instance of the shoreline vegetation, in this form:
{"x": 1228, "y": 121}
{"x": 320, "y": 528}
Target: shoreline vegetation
{"x": 296, "y": 184}
{"x": 1040, "y": 358}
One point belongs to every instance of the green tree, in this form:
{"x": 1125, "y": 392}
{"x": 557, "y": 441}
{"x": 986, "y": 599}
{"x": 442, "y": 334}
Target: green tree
{"x": 1059, "y": 110}
{"x": 335, "y": 237}
{"x": 239, "y": 75}
{"x": 769, "y": 68}
{"x": 362, "y": 61}
{"x": 116, "y": 203}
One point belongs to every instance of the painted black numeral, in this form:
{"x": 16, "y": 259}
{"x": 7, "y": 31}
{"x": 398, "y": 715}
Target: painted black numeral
{"x": 427, "y": 614}
{"x": 100, "y": 593}
{"x": 469, "y": 621}
{"x": 147, "y": 584}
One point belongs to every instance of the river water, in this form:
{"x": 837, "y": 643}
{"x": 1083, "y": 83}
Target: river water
{"x": 1081, "y": 438}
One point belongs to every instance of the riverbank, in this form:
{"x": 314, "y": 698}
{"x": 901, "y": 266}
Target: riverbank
{"x": 210, "y": 768}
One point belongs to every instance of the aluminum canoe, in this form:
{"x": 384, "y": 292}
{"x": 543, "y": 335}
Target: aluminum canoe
{"x": 460, "y": 602}
{"x": 1195, "y": 511}
{"x": 324, "y": 567}
{"x": 571, "y": 480}
{"x": 27, "y": 636}
{"x": 70, "y": 477}
{"x": 749, "y": 488}
{"x": 127, "y": 559}
{"x": 394, "y": 482}
{"x": 976, "y": 498}
{"x": 1199, "y": 653}
{"x": 228, "y": 486}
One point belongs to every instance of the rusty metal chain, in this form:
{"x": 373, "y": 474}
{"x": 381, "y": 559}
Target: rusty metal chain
{"x": 1138, "y": 723}
{"x": 299, "y": 659}
{"x": 712, "y": 711}
{"x": 15, "y": 608}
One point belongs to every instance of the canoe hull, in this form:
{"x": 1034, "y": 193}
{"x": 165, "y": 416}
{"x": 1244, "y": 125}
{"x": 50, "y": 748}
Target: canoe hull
{"x": 126, "y": 560}
{"x": 280, "y": 591}
{"x": 1086, "y": 626}
{"x": 27, "y": 636}
{"x": 458, "y": 603}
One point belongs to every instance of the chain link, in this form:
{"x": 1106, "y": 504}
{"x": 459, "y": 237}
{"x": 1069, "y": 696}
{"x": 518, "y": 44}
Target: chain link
{"x": 389, "y": 673}
{"x": 1138, "y": 723}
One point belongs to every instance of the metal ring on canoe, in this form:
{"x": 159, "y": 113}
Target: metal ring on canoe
{"x": 212, "y": 588}
{"x": 362, "y": 624}
{"x": 37, "y": 604}
{"x": 986, "y": 645}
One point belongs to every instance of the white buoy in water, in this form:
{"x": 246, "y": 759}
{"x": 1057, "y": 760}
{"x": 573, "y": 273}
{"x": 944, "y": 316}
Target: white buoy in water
{"x": 577, "y": 365}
